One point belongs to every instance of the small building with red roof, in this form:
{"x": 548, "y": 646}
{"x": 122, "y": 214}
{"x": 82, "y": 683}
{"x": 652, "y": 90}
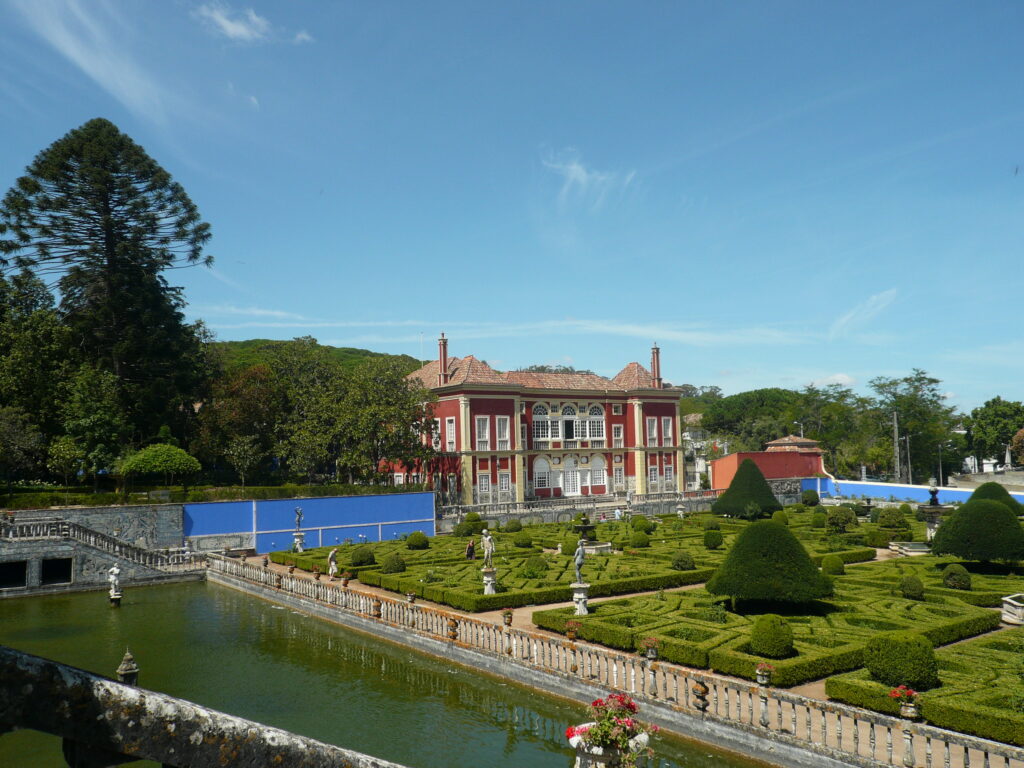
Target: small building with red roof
{"x": 788, "y": 457}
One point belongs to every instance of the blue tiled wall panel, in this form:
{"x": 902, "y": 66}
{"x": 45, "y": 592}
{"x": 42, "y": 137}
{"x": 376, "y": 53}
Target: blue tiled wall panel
{"x": 917, "y": 493}
{"x": 218, "y": 517}
{"x": 333, "y": 511}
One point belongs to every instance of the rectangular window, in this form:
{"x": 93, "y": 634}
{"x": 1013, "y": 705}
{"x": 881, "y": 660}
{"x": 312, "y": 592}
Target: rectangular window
{"x": 596, "y": 429}
{"x": 435, "y": 437}
{"x": 556, "y": 430}
{"x": 522, "y": 435}
{"x": 540, "y": 429}
{"x": 652, "y": 479}
{"x": 449, "y": 432}
{"x": 540, "y": 480}
{"x": 616, "y": 410}
{"x": 668, "y": 478}
{"x": 399, "y": 478}
{"x": 414, "y": 478}
{"x": 504, "y": 482}
{"x": 483, "y": 433}
{"x": 597, "y": 477}
{"x": 619, "y": 476}
{"x": 666, "y": 430}
{"x": 617, "y": 441}
{"x": 483, "y": 483}
{"x": 652, "y": 431}
{"x": 501, "y": 427}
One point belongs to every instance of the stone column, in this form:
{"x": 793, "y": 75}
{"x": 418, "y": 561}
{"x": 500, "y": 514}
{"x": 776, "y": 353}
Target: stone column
{"x": 580, "y": 592}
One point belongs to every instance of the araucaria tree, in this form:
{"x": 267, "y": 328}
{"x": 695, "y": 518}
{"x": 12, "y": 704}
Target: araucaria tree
{"x": 748, "y": 495}
{"x": 766, "y": 562}
{"x": 98, "y": 217}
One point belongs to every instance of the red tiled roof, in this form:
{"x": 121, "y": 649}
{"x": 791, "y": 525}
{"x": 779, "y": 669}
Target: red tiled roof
{"x": 793, "y": 440}
{"x": 559, "y": 380}
{"x": 634, "y": 376}
{"x": 469, "y": 370}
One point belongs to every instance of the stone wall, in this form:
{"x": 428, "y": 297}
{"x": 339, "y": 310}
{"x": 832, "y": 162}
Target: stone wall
{"x": 150, "y": 526}
{"x": 785, "y": 486}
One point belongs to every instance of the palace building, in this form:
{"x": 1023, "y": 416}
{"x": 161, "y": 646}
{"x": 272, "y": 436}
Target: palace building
{"x": 518, "y": 435}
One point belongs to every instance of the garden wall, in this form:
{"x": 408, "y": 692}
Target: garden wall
{"x": 826, "y": 486}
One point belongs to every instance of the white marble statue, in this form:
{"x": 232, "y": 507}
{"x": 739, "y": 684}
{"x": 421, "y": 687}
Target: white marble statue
{"x": 487, "y": 545}
{"x": 332, "y": 563}
{"x": 578, "y": 558}
{"x": 114, "y": 577}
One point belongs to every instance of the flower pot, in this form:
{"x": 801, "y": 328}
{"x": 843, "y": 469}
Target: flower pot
{"x": 570, "y": 634}
{"x": 344, "y": 582}
{"x": 291, "y": 569}
{"x": 592, "y": 756}
{"x": 410, "y": 597}
{"x": 763, "y": 676}
{"x": 651, "y": 653}
{"x": 909, "y": 710}
{"x": 507, "y": 618}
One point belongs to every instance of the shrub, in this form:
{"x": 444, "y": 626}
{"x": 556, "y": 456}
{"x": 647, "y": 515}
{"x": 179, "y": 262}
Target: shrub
{"x": 877, "y": 539}
{"x": 818, "y": 520}
{"x": 713, "y": 539}
{"x": 875, "y": 513}
{"x": 981, "y": 530}
{"x": 570, "y": 544}
{"x": 894, "y": 518}
{"x": 522, "y": 540}
{"x": 639, "y": 539}
{"x": 642, "y": 524}
{"x": 996, "y": 492}
{"x": 780, "y": 517}
{"x": 683, "y": 561}
{"x": 955, "y": 576}
{"x": 712, "y": 524}
{"x": 513, "y": 526}
{"x": 748, "y": 487}
{"x": 471, "y": 517}
{"x": 417, "y": 540}
{"x": 838, "y": 519}
{"x": 463, "y": 529}
{"x": 535, "y": 568}
{"x": 912, "y": 587}
{"x": 771, "y": 636}
{"x": 833, "y": 565}
{"x": 809, "y": 498}
{"x": 393, "y": 563}
{"x": 905, "y": 509}
{"x": 362, "y": 556}
{"x": 902, "y": 658}
{"x": 795, "y": 509}
{"x": 766, "y": 562}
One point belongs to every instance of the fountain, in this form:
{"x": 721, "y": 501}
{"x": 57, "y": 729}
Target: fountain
{"x": 586, "y": 529}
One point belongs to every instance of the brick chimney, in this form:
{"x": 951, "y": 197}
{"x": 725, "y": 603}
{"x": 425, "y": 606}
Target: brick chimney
{"x": 656, "y": 367}
{"x": 442, "y": 361}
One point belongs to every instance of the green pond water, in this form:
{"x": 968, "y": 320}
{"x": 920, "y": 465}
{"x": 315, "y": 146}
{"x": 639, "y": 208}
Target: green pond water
{"x": 238, "y": 654}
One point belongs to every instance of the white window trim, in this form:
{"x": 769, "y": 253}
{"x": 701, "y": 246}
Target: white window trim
{"x": 483, "y": 433}
{"x": 666, "y": 431}
{"x": 652, "y": 431}
{"x": 503, "y": 443}
{"x": 435, "y": 438}
{"x": 449, "y": 425}
{"x": 504, "y": 482}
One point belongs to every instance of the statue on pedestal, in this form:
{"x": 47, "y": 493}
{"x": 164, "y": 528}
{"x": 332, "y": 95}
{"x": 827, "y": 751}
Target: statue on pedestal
{"x": 487, "y": 544}
{"x": 298, "y": 518}
{"x": 114, "y": 577}
{"x": 578, "y": 558}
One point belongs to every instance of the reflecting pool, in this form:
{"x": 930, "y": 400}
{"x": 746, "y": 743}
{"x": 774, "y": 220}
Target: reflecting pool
{"x": 238, "y": 654}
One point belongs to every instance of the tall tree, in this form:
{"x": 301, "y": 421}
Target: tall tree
{"x": 20, "y": 444}
{"x": 99, "y": 217}
{"x": 93, "y": 418}
{"x": 992, "y": 427}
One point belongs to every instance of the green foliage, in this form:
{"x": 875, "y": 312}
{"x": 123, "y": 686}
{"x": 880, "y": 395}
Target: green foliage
{"x": 809, "y": 498}
{"x": 995, "y": 492}
{"x": 683, "y": 561}
{"x": 417, "y": 540}
{"x": 818, "y": 520}
{"x": 877, "y": 538}
{"x": 832, "y": 565}
{"x": 894, "y": 519}
{"x": 955, "y": 576}
{"x": 243, "y": 453}
{"x": 393, "y": 563}
{"x": 21, "y": 445}
{"x": 639, "y": 540}
{"x": 771, "y": 636}
{"x": 838, "y": 519}
{"x": 642, "y": 524}
{"x": 766, "y": 562}
{"x": 362, "y": 556}
{"x": 464, "y": 529}
{"x": 523, "y": 540}
{"x": 712, "y": 524}
{"x": 981, "y": 530}
{"x": 513, "y": 526}
{"x": 535, "y": 567}
{"x": 902, "y": 658}
{"x": 780, "y": 517}
{"x": 713, "y": 539}
{"x": 912, "y": 588}
{"x": 160, "y": 459}
{"x": 748, "y": 487}
{"x": 472, "y": 517}
{"x": 237, "y": 355}
{"x": 993, "y": 426}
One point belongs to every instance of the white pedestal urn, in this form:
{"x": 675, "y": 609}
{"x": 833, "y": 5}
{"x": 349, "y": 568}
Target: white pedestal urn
{"x": 299, "y": 543}
{"x": 588, "y": 756}
{"x": 580, "y": 592}
{"x": 490, "y": 581}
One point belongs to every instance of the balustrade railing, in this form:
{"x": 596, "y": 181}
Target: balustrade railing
{"x": 849, "y": 734}
{"x": 160, "y": 559}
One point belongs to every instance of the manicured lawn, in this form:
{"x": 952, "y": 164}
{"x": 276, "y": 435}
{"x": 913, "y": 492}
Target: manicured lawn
{"x": 989, "y": 583}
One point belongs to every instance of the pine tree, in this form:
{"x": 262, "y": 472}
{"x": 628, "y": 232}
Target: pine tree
{"x": 98, "y": 217}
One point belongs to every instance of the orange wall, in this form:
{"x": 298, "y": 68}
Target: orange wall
{"x": 773, "y": 464}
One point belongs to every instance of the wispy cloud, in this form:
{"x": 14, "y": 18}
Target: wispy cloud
{"x": 92, "y": 37}
{"x": 221, "y": 310}
{"x": 842, "y": 379}
{"x": 242, "y": 26}
{"x": 862, "y": 314}
{"x": 254, "y": 101}
{"x": 302, "y": 36}
{"x": 582, "y": 184}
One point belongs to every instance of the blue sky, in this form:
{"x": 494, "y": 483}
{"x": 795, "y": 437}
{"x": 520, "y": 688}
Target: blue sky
{"x": 777, "y": 193}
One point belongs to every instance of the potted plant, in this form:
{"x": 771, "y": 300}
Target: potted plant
{"x": 571, "y": 628}
{"x": 291, "y": 567}
{"x": 649, "y": 646}
{"x": 506, "y": 617}
{"x": 615, "y": 737}
{"x": 763, "y": 673}
{"x": 907, "y": 697}
{"x": 345, "y": 576}
{"x": 316, "y": 573}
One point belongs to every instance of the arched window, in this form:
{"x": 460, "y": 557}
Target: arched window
{"x": 541, "y": 425}
{"x": 541, "y": 473}
{"x": 568, "y": 411}
{"x": 595, "y": 428}
{"x": 540, "y": 410}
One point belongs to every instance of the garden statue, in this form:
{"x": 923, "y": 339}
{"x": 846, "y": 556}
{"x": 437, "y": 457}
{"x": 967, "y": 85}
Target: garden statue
{"x": 298, "y": 518}
{"x": 934, "y": 492}
{"x": 332, "y": 563}
{"x": 114, "y": 577}
{"x": 578, "y": 558}
{"x": 487, "y": 544}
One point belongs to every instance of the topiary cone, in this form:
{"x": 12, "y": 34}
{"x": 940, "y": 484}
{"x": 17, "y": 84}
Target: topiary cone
{"x": 748, "y": 486}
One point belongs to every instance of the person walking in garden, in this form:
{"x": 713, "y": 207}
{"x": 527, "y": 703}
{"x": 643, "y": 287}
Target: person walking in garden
{"x": 471, "y": 550}
{"x": 332, "y": 563}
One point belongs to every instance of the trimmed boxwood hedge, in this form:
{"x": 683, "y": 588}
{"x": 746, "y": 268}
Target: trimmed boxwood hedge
{"x": 748, "y": 487}
{"x": 733, "y": 658}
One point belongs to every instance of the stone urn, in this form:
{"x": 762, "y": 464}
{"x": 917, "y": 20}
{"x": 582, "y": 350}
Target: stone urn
{"x": 570, "y": 634}
{"x": 410, "y": 597}
{"x": 763, "y": 676}
{"x": 344, "y": 581}
{"x": 590, "y": 756}
{"x": 507, "y": 618}
{"x": 291, "y": 569}
{"x": 909, "y": 710}
{"x": 651, "y": 652}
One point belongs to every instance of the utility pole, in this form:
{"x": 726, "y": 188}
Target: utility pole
{"x": 910, "y": 469}
{"x": 896, "y": 448}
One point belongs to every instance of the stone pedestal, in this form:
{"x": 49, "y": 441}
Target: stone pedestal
{"x": 299, "y": 543}
{"x": 490, "y": 581}
{"x": 932, "y": 518}
{"x": 115, "y": 597}
{"x": 580, "y": 591}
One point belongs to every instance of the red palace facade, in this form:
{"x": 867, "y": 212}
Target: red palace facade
{"x": 516, "y": 435}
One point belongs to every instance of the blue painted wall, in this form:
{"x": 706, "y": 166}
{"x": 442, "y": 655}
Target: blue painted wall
{"x": 919, "y": 493}
{"x": 328, "y": 520}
